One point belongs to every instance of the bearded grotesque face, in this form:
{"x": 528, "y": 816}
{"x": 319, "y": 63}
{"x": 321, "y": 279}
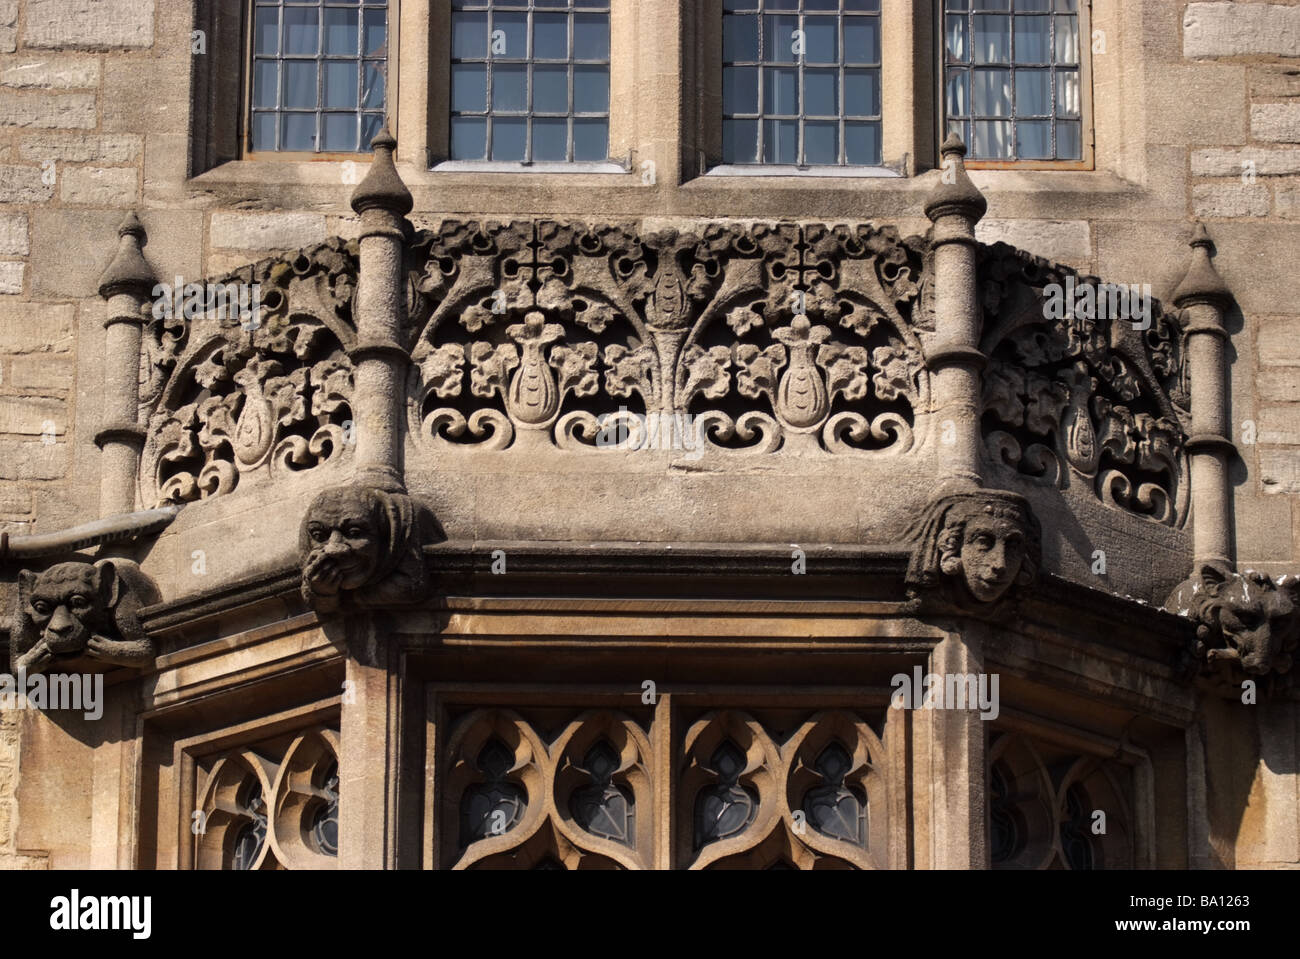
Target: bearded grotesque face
{"x": 1262, "y": 627}
{"x": 1247, "y": 618}
{"x": 68, "y": 604}
{"x": 344, "y": 542}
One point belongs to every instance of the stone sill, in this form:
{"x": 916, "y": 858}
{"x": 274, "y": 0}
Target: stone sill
{"x": 330, "y": 173}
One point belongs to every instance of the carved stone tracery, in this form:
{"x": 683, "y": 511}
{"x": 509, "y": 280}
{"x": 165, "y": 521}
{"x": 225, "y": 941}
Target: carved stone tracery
{"x": 748, "y": 795}
{"x": 270, "y": 806}
{"x": 1050, "y": 808}
{"x": 766, "y": 337}
{"x": 234, "y": 398}
{"x": 1085, "y": 398}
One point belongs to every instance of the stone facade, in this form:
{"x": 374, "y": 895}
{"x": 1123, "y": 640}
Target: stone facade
{"x": 616, "y": 518}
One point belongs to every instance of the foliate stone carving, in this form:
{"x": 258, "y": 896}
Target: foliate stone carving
{"x": 235, "y": 396}
{"x": 973, "y": 547}
{"x": 360, "y": 546}
{"x": 761, "y": 338}
{"x": 84, "y": 614}
{"x": 1045, "y": 802}
{"x": 1244, "y": 621}
{"x": 1082, "y": 388}
{"x": 270, "y": 807}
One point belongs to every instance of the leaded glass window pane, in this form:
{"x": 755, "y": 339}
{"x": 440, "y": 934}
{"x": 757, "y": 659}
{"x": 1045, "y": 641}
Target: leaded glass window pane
{"x": 319, "y": 75}
{"x": 530, "y": 80}
{"x": 801, "y": 82}
{"x": 1011, "y": 84}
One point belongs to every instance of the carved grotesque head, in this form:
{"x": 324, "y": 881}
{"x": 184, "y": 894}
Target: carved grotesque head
{"x": 343, "y": 537}
{"x": 82, "y": 611}
{"x": 364, "y": 543}
{"x": 982, "y": 542}
{"x": 1242, "y": 616}
{"x": 69, "y": 603}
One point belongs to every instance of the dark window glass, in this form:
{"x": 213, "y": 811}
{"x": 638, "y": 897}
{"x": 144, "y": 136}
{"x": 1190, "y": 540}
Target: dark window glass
{"x": 530, "y": 80}
{"x": 1011, "y": 83}
{"x": 801, "y": 82}
{"x": 319, "y": 71}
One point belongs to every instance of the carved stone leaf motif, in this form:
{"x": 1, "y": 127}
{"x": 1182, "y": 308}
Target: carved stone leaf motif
{"x": 177, "y": 437}
{"x": 287, "y": 396}
{"x": 596, "y": 317}
{"x": 1045, "y": 402}
{"x": 443, "y": 370}
{"x": 577, "y": 368}
{"x": 758, "y": 370}
{"x": 742, "y": 320}
{"x": 629, "y": 370}
{"x": 1004, "y": 387}
{"x": 1117, "y": 430}
{"x": 267, "y": 391}
{"x": 490, "y": 368}
{"x": 847, "y": 370}
{"x": 332, "y": 379}
{"x": 1093, "y": 386}
{"x": 707, "y": 373}
{"x": 898, "y": 369}
{"x": 862, "y": 319}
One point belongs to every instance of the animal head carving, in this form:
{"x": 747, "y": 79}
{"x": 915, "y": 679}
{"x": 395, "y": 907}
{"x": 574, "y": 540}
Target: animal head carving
{"x": 82, "y": 611}
{"x": 361, "y": 545}
{"x": 977, "y": 544}
{"x": 1243, "y": 617}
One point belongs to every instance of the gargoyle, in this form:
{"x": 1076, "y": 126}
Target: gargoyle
{"x": 974, "y": 546}
{"x": 78, "y": 611}
{"x": 1246, "y": 618}
{"x": 361, "y": 546}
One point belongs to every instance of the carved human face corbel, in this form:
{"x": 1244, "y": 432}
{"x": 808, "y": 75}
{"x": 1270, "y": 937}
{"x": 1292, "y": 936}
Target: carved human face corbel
{"x": 977, "y": 545}
{"x": 361, "y": 545}
{"x": 991, "y": 555}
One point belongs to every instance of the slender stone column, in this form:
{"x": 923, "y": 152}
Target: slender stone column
{"x": 958, "y": 754}
{"x": 1205, "y": 298}
{"x": 127, "y": 285}
{"x": 955, "y": 360}
{"x": 379, "y": 359}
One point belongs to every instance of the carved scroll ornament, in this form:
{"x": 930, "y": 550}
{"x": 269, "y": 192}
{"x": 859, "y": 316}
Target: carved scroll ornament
{"x": 1076, "y": 393}
{"x": 751, "y": 339}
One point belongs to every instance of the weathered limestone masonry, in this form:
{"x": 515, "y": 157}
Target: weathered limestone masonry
{"x": 110, "y": 183}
